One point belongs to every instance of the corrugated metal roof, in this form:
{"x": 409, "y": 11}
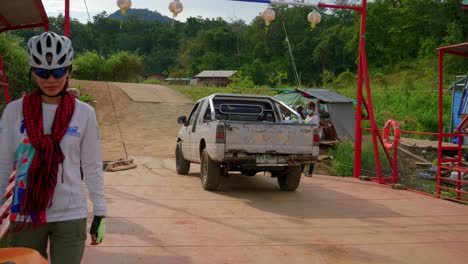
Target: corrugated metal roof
{"x": 326, "y": 95}
{"x": 177, "y": 79}
{"x": 216, "y": 74}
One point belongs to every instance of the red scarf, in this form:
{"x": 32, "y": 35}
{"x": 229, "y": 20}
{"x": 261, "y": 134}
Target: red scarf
{"x": 42, "y": 175}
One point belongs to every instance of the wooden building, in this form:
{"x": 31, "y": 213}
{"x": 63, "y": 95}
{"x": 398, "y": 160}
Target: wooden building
{"x": 214, "y": 78}
{"x": 155, "y": 76}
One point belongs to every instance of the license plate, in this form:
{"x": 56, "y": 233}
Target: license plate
{"x": 316, "y": 151}
{"x": 266, "y": 159}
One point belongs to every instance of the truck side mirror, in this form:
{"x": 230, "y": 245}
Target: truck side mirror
{"x": 182, "y": 120}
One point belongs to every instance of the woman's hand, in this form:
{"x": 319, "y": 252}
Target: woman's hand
{"x": 98, "y": 229}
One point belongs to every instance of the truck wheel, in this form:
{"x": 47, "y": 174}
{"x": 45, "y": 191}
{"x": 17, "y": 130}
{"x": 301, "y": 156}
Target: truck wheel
{"x": 290, "y": 181}
{"x": 210, "y": 172}
{"x": 182, "y": 165}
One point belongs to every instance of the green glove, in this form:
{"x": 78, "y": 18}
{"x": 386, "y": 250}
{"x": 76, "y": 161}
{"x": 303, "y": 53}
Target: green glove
{"x": 98, "y": 228}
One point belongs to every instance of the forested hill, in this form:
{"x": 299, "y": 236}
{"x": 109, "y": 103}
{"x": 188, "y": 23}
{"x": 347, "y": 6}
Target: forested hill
{"x": 142, "y": 14}
{"x": 401, "y": 35}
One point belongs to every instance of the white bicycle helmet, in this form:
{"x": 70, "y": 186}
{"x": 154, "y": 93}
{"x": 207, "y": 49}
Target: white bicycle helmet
{"x": 50, "y": 51}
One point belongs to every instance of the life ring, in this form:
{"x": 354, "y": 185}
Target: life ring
{"x": 393, "y": 144}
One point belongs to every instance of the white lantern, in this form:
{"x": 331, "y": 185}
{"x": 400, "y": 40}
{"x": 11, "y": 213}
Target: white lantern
{"x": 268, "y": 15}
{"x": 314, "y": 18}
{"x": 124, "y": 5}
{"x": 175, "y": 7}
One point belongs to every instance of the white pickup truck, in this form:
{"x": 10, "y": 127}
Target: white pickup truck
{"x": 246, "y": 133}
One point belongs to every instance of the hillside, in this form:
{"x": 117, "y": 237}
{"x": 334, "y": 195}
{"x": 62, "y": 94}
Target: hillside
{"x": 142, "y": 14}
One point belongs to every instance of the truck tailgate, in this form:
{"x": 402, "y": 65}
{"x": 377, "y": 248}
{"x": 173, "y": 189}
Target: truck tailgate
{"x": 270, "y": 138}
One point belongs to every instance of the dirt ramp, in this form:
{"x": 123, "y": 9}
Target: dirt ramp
{"x": 152, "y": 93}
{"x": 138, "y": 128}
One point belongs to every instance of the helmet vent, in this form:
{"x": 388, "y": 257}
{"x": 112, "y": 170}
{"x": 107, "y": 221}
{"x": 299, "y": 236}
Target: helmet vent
{"x": 62, "y": 60}
{"x": 49, "y": 58}
{"x": 39, "y": 48}
{"x": 36, "y": 60}
{"x": 59, "y": 48}
{"x": 48, "y": 41}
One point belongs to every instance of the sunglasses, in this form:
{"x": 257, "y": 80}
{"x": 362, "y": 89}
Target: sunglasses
{"x": 56, "y": 73}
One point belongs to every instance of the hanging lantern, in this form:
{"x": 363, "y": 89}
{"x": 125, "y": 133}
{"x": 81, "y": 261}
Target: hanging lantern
{"x": 268, "y": 15}
{"x": 124, "y": 5}
{"x": 314, "y": 18}
{"x": 175, "y": 7}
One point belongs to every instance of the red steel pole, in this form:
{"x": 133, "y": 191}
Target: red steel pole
{"x": 370, "y": 110}
{"x": 66, "y": 24}
{"x": 4, "y": 81}
{"x": 395, "y": 165}
{"x": 358, "y": 129}
{"x": 439, "y": 144}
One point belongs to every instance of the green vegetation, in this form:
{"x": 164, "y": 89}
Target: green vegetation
{"x": 16, "y": 68}
{"x": 343, "y": 159}
{"x": 121, "y": 67}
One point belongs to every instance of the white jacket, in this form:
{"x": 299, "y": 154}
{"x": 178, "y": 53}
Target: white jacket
{"x": 80, "y": 144}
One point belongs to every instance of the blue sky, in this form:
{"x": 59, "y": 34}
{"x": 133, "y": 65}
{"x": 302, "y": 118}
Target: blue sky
{"x": 228, "y": 10}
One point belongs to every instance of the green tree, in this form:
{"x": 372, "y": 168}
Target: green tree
{"x": 123, "y": 67}
{"x": 15, "y": 65}
{"x": 89, "y": 66}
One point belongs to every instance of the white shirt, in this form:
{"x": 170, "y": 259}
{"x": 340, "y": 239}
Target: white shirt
{"x": 313, "y": 120}
{"x": 79, "y": 145}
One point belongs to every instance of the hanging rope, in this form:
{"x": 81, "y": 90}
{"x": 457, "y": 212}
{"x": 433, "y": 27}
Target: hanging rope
{"x": 296, "y": 75}
{"x": 87, "y": 11}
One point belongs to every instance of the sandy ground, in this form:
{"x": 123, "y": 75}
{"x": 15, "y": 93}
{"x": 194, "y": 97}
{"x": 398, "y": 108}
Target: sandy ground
{"x": 157, "y": 216}
{"x": 147, "y": 128}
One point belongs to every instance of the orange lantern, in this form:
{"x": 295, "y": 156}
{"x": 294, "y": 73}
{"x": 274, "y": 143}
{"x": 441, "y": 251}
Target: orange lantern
{"x": 124, "y": 5}
{"x": 175, "y": 7}
{"x": 314, "y": 18}
{"x": 268, "y": 15}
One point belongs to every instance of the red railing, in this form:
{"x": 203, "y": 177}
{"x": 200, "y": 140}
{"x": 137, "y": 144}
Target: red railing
{"x": 5, "y": 208}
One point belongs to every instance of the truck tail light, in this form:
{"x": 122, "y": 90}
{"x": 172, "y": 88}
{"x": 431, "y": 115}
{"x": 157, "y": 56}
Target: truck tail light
{"x": 316, "y": 137}
{"x": 220, "y": 134}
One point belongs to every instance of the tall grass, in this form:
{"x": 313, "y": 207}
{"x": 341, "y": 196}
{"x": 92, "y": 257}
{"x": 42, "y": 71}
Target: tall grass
{"x": 342, "y": 163}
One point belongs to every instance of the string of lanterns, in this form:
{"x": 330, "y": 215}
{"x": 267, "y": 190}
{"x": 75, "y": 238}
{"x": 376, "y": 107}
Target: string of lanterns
{"x": 269, "y": 15}
{"x": 176, "y": 7}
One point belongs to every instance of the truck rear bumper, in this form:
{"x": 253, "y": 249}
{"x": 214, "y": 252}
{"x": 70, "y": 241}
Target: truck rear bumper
{"x": 283, "y": 160}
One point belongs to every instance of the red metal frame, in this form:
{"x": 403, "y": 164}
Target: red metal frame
{"x": 363, "y": 78}
{"x": 459, "y": 50}
{"x": 66, "y": 26}
{"x": 3, "y": 81}
{"x": 9, "y": 27}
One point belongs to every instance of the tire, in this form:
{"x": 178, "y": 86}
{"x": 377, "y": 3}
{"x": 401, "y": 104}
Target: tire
{"x": 210, "y": 173}
{"x": 182, "y": 165}
{"x": 248, "y": 173}
{"x": 290, "y": 181}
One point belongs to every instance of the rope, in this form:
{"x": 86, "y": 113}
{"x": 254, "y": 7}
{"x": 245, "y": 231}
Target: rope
{"x": 87, "y": 11}
{"x": 117, "y": 121}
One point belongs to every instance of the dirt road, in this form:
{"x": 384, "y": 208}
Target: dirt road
{"x": 157, "y": 216}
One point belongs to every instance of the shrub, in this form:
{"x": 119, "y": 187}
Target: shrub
{"x": 123, "y": 67}
{"x": 88, "y": 66}
{"x": 16, "y": 67}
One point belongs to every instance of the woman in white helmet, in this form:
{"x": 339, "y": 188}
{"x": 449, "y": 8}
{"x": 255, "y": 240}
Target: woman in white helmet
{"x": 44, "y": 137}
